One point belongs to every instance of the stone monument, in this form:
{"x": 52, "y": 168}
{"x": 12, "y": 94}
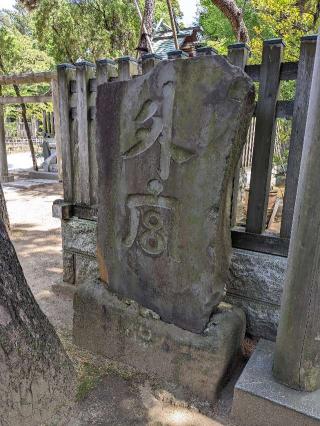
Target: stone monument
{"x": 168, "y": 145}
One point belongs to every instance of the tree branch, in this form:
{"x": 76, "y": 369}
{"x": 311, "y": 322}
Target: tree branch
{"x": 234, "y": 14}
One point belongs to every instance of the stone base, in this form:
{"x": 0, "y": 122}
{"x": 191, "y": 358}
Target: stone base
{"x": 40, "y": 174}
{"x": 255, "y": 282}
{"x": 6, "y": 179}
{"x": 122, "y": 330}
{"x": 260, "y": 400}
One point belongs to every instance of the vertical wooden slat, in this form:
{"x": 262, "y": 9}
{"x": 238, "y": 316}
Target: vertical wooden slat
{"x": 44, "y": 120}
{"x": 106, "y": 68}
{"x": 264, "y": 137}
{"x": 84, "y": 71}
{"x": 306, "y": 62}
{"x": 238, "y": 55}
{"x": 3, "y": 151}
{"x": 57, "y": 130}
{"x": 149, "y": 61}
{"x": 66, "y": 73}
{"x": 128, "y": 67}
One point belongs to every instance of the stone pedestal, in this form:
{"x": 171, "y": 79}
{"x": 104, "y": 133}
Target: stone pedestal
{"x": 125, "y": 331}
{"x": 260, "y": 400}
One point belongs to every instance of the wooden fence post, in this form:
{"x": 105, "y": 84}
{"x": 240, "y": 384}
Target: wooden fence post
{"x": 56, "y": 126}
{"x": 66, "y": 74}
{"x": 149, "y": 61}
{"x": 238, "y": 55}
{"x": 3, "y": 151}
{"x": 84, "y": 72}
{"x": 297, "y": 361}
{"x": 106, "y": 69}
{"x": 128, "y": 67}
{"x": 264, "y": 137}
{"x": 306, "y": 62}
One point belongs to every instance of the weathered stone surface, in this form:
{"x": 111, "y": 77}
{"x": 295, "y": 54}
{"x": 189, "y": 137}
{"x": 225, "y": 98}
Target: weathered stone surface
{"x": 86, "y": 268}
{"x": 123, "y": 330}
{"x": 257, "y": 276}
{"x": 260, "y": 400}
{"x": 166, "y": 153}
{"x": 262, "y": 318}
{"x": 255, "y": 280}
{"x": 79, "y": 236}
{"x": 255, "y": 284}
{"x": 68, "y": 267}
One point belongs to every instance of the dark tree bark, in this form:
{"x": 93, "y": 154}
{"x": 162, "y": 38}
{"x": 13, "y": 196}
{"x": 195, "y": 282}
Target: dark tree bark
{"x": 230, "y": 9}
{"x": 3, "y": 210}
{"x": 148, "y": 22}
{"x": 37, "y": 379}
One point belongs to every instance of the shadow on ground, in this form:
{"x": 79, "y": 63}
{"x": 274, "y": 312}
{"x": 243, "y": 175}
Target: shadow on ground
{"x": 109, "y": 393}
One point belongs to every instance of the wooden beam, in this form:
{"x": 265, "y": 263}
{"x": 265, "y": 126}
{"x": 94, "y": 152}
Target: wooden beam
{"x": 9, "y": 100}
{"x": 265, "y": 136}
{"x": 288, "y": 71}
{"x": 263, "y": 243}
{"x": 28, "y": 78}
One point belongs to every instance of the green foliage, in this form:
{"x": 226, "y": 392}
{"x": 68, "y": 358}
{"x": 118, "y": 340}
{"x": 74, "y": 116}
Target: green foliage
{"x": 287, "y": 19}
{"x": 90, "y": 29}
{"x": 20, "y": 52}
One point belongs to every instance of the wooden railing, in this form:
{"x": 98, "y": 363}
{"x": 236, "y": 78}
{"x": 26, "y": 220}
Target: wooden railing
{"x": 77, "y": 95}
{"x": 269, "y": 74}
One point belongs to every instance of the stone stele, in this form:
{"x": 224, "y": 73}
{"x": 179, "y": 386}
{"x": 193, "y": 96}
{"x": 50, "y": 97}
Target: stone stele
{"x": 168, "y": 145}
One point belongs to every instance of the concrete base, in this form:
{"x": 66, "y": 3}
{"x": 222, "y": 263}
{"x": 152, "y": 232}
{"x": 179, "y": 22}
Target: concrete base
{"x": 120, "y": 329}
{"x": 260, "y": 400}
{"x": 43, "y": 175}
{"x": 6, "y": 179}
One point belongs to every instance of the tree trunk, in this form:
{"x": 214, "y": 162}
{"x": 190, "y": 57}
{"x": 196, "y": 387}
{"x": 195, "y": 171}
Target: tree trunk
{"x": 230, "y": 9}
{"x": 27, "y": 128}
{"x": 37, "y": 379}
{"x": 3, "y": 210}
{"x": 148, "y": 22}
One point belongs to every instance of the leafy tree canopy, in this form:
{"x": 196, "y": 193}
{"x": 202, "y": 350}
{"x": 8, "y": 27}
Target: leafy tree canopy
{"x": 90, "y": 29}
{"x": 287, "y": 19}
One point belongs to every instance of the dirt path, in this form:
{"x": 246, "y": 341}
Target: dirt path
{"x": 109, "y": 393}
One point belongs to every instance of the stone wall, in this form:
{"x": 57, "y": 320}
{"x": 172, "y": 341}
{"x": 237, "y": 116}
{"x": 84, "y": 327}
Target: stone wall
{"x": 255, "y": 280}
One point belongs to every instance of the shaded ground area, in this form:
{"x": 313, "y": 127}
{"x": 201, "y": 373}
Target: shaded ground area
{"x": 109, "y": 393}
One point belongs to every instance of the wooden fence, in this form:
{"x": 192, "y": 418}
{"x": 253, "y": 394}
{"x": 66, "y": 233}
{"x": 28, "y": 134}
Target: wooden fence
{"x": 77, "y": 94}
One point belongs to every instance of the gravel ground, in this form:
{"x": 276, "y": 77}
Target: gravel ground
{"x": 109, "y": 393}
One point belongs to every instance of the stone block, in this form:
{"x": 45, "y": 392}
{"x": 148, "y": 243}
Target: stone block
{"x": 259, "y": 400}
{"x": 262, "y": 318}
{"x": 255, "y": 284}
{"x": 86, "y": 268}
{"x": 255, "y": 281}
{"x": 121, "y": 329}
{"x": 257, "y": 276}
{"x": 167, "y": 153}
{"x": 79, "y": 236}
